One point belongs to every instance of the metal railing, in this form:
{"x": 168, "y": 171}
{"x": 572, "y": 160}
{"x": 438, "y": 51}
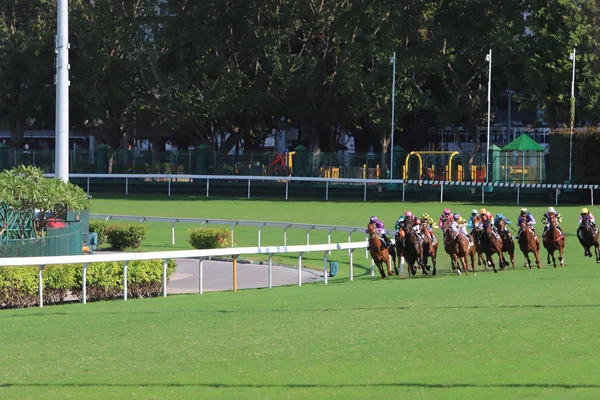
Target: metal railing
{"x": 197, "y": 254}
{"x": 169, "y": 179}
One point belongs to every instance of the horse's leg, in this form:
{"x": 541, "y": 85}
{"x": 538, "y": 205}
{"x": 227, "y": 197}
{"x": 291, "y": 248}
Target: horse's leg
{"x": 537, "y": 258}
{"x": 490, "y": 260}
{"x": 511, "y": 253}
{"x": 389, "y": 265}
{"x": 472, "y": 257}
{"x": 433, "y": 261}
{"x": 527, "y": 260}
{"x": 380, "y": 267}
{"x": 465, "y": 264}
{"x": 597, "y": 251}
{"x": 561, "y": 257}
{"x": 455, "y": 263}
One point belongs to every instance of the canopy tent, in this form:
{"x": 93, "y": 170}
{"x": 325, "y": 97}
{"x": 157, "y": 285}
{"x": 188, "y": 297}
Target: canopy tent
{"x": 523, "y": 161}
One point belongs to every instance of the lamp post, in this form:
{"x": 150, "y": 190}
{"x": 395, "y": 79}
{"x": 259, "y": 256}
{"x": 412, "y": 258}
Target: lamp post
{"x": 572, "y": 116}
{"x": 488, "y": 58}
{"x": 61, "y": 42}
{"x": 393, "y": 62}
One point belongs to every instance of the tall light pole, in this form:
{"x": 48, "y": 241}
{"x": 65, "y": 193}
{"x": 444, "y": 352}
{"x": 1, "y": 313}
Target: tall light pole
{"x": 488, "y": 58}
{"x": 393, "y": 62}
{"x": 61, "y": 41}
{"x": 572, "y": 117}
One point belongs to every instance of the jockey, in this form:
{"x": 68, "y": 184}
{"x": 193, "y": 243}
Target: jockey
{"x": 446, "y": 215}
{"x": 459, "y": 224}
{"x": 380, "y": 229}
{"x": 473, "y": 219}
{"x": 551, "y": 212}
{"x": 399, "y": 222}
{"x": 525, "y": 216}
{"x": 427, "y": 220}
{"x": 412, "y": 219}
{"x": 586, "y": 212}
{"x": 501, "y": 217}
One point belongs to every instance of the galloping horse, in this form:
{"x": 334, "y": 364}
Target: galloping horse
{"x": 529, "y": 244}
{"x": 379, "y": 252}
{"x": 430, "y": 245}
{"x": 457, "y": 247}
{"x": 476, "y": 235}
{"x": 554, "y": 240}
{"x": 508, "y": 246}
{"x": 409, "y": 245}
{"x": 490, "y": 245}
{"x": 588, "y": 237}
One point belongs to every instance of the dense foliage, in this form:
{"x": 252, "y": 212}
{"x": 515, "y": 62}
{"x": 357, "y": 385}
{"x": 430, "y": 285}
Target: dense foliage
{"x": 190, "y": 70}
{"x": 19, "y": 285}
{"x": 121, "y": 237}
{"x": 210, "y": 238}
{"x": 586, "y": 147}
{"x": 24, "y": 190}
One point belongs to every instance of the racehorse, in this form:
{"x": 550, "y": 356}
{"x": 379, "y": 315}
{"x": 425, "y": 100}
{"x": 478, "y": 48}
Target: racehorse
{"x": 430, "y": 245}
{"x": 491, "y": 244}
{"x": 457, "y": 247}
{"x": 529, "y": 244}
{"x": 476, "y": 235}
{"x": 588, "y": 237}
{"x": 379, "y": 251}
{"x": 554, "y": 240}
{"x": 409, "y": 245}
{"x": 508, "y": 246}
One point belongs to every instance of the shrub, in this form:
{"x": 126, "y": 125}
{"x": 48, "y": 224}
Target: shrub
{"x": 99, "y": 227}
{"x": 125, "y": 236}
{"x": 210, "y": 238}
{"x": 19, "y": 285}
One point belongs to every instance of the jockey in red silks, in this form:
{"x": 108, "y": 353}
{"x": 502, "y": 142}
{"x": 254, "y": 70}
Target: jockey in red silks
{"x": 446, "y": 216}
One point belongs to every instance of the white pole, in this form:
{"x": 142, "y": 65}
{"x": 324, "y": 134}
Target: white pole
{"x": 173, "y": 233}
{"x": 351, "y": 265}
{"x": 164, "y": 278}
{"x": 325, "y": 267}
{"x": 300, "y": 269}
{"x": 489, "y": 98}
{"x": 40, "y": 286}
{"x": 200, "y": 278}
{"x": 393, "y": 61}
{"x": 372, "y": 269}
{"x": 62, "y": 91}
{"x": 125, "y": 280}
{"x": 572, "y": 117}
{"x": 84, "y": 282}
{"x": 270, "y": 271}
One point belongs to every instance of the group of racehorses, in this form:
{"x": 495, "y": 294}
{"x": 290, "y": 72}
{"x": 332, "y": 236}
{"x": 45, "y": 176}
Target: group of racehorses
{"x": 418, "y": 243}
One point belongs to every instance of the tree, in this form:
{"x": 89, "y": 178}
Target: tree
{"x": 26, "y": 63}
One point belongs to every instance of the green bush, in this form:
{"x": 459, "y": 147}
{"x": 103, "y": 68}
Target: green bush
{"x": 99, "y": 227}
{"x": 19, "y": 285}
{"x": 586, "y": 163}
{"x": 210, "y": 238}
{"x": 125, "y": 236}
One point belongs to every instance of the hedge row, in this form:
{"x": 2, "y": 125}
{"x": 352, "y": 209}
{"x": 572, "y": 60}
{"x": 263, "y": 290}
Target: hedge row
{"x": 586, "y": 163}
{"x": 210, "y": 238}
{"x": 119, "y": 237}
{"x": 19, "y": 285}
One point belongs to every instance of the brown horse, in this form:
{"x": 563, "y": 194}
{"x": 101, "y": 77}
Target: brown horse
{"x": 457, "y": 247}
{"x": 588, "y": 237}
{"x": 491, "y": 244}
{"x": 528, "y": 243}
{"x": 508, "y": 245}
{"x": 430, "y": 245}
{"x": 409, "y": 246}
{"x": 476, "y": 235}
{"x": 379, "y": 252}
{"x": 554, "y": 240}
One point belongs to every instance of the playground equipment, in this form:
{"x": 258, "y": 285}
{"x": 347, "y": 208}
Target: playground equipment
{"x": 433, "y": 163}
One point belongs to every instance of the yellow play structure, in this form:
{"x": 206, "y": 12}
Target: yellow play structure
{"x": 445, "y": 158}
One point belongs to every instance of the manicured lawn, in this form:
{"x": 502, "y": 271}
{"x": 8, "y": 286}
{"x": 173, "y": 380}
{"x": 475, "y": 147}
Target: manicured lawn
{"x": 515, "y": 334}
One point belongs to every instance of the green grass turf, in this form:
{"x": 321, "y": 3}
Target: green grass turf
{"x": 521, "y": 334}
{"x": 315, "y": 212}
{"x": 515, "y": 334}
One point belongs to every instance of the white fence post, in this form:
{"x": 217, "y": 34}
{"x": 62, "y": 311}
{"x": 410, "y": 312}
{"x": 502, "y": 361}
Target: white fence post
{"x": 592, "y": 194}
{"x": 372, "y": 269}
{"x": 365, "y": 192}
{"x": 125, "y": 264}
{"x": 285, "y": 234}
{"x": 518, "y": 195}
{"x": 300, "y": 268}
{"x": 200, "y": 277}
{"x": 327, "y": 191}
{"x": 248, "y": 189}
{"x": 556, "y": 195}
{"x": 84, "y": 282}
{"x": 126, "y": 185}
{"x": 325, "y": 274}
{"x": 403, "y": 191}
{"x": 329, "y": 236}
{"x": 173, "y": 232}
{"x": 308, "y": 236}
{"x": 232, "y": 225}
{"x": 259, "y": 228}
{"x": 88, "y": 185}
{"x": 351, "y": 264}
{"x": 207, "y": 186}
{"x": 482, "y": 194}
{"x": 40, "y": 286}
{"x": 169, "y": 190}
{"x": 287, "y": 188}
{"x": 270, "y": 277}
{"x": 442, "y": 192}
{"x": 165, "y": 277}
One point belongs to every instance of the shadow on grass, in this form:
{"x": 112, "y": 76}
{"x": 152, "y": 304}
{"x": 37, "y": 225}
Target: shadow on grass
{"x": 310, "y": 386}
